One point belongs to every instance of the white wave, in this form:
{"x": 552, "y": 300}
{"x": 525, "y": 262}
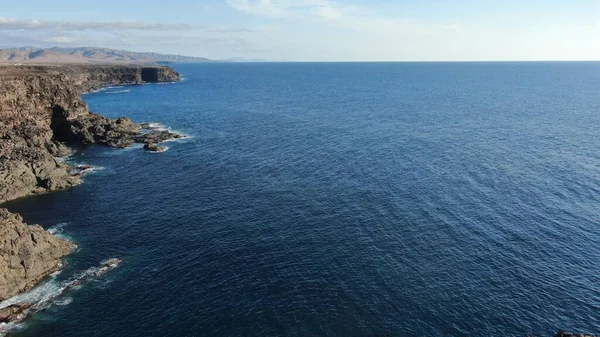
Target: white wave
{"x": 165, "y": 148}
{"x": 96, "y": 169}
{"x": 97, "y": 90}
{"x": 119, "y": 152}
{"x": 84, "y": 169}
{"x": 65, "y": 158}
{"x": 92, "y": 169}
{"x": 58, "y": 230}
{"x": 156, "y": 126}
{"x": 118, "y": 91}
{"x": 5, "y": 328}
{"x": 104, "y": 89}
{"x": 51, "y": 292}
{"x": 40, "y": 294}
{"x": 63, "y": 301}
{"x": 182, "y": 138}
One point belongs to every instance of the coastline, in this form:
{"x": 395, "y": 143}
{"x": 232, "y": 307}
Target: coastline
{"x": 564, "y": 335}
{"x": 42, "y": 114}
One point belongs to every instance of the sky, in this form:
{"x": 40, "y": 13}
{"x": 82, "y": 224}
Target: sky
{"x": 315, "y": 30}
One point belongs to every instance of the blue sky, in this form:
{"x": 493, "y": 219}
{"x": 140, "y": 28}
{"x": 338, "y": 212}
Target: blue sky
{"x": 315, "y": 30}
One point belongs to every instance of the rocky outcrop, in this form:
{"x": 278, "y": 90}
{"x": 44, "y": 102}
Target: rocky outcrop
{"x": 156, "y": 74}
{"x": 41, "y": 113}
{"x": 153, "y": 147}
{"x": 18, "y": 309}
{"x": 93, "y": 128}
{"x": 41, "y": 110}
{"x": 27, "y": 254}
{"x": 27, "y": 161}
{"x": 27, "y": 147}
{"x": 14, "y": 313}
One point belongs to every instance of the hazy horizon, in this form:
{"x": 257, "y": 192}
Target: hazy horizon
{"x": 317, "y": 30}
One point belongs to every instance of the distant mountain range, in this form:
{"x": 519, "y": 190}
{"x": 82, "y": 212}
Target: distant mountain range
{"x": 246, "y": 60}
{"x": 90, "y": 55}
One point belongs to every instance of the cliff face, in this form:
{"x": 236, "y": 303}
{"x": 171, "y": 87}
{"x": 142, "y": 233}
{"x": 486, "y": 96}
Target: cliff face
{"x": 159, "y": 74}
{"x": 41, "y": 107}
{"x": 27, "y": 254}
{"x": 27, "y": 147}
{"x": 85, "y": 78}
{"x": 41, "y": 111}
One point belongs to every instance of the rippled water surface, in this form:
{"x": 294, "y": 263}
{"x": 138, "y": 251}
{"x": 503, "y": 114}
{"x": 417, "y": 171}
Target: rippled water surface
{"x": 456, "y": 199}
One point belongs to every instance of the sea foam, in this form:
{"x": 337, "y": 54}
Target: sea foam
{"x": 54, "y": 292}
{"x": 118, "y": 91}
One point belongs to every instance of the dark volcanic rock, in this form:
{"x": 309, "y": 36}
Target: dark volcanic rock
{"x": 41, "y": 110}
{"x": 155, "y": 136}
{"x": 94, "y": 128}
{"x": 154, "y": 147}
{"x": 14, "y": 313}
{"x": 159, "y": 74}
{"x": 27, "y": 162}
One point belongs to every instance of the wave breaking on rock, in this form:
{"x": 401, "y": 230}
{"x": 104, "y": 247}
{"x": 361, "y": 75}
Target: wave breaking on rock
{"x": 15, "y": 310}
{"x": 42, "y": 113}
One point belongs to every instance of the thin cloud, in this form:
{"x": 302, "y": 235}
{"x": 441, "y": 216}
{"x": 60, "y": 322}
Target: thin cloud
{"x": 322, "y": 9}
{"x": 328, "y": 13}
{"x": 15, "y": 24}
{"x": 259, "y": 7}
{"x": 359, "y": 19}
{"x": 108, "y": 26}
{"x": 232, "y": 30}
{"x": 60, "y": 39}
{"x": 213, "y": 42}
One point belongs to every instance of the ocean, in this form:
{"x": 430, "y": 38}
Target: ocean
{"x": 339, "y": 199}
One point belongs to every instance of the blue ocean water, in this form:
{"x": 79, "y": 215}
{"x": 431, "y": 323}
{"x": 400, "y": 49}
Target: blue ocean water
{"x": 352, "y": 199}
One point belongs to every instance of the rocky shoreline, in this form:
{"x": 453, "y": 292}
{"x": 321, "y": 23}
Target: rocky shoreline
{"x": 17, "y": 312}
{"x": 41, "y": 115}
{"x": 42, "y": 112}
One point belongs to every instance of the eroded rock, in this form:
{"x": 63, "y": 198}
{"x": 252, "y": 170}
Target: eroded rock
{"x": 153, "y": 147}
{"x": 14, "y": 313}
{"x": 27, "y": 254}
{"x": 41, "y": 112}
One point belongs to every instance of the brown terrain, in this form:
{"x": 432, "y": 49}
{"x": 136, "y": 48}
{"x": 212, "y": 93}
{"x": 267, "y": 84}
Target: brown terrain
{"x": 89, "y": 55}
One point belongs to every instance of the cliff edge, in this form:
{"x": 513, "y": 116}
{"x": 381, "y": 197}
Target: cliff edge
{"x": 41, "y": 113}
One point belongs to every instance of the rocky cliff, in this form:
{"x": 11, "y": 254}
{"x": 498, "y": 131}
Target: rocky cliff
{"x": 41, "y": 113}
{"x": 41, "y": 110}
{"x": 27, "y": 254}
